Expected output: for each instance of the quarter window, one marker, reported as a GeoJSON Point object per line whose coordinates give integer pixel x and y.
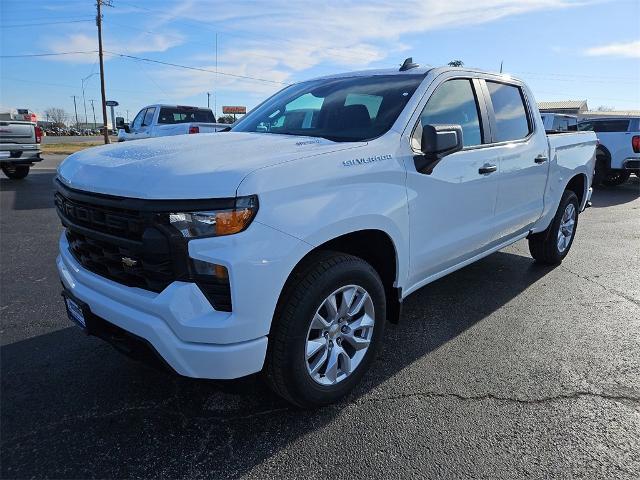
{"type": "Point", "coordinates": [453, 103]}
{"type": "Point", "coordinates": [512, 121]}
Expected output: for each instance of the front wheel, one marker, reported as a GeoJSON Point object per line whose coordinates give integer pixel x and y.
{"type": "Point", "coordinates": [327, 328]}
{"type": "Point", "coordinates": [552, 245]}
{"type": "Point", "coordinates": [16, 172]}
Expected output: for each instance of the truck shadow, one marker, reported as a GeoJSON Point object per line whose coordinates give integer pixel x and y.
{"type": "Point", "coordinates": [31, 193]}
{"type": "Point", "coordinates": [73, 407]}
{"type": "Point", "coordinates": [609, 196]}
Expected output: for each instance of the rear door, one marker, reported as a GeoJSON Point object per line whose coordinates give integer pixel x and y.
{"type": "Point", "coordinates": [521, 149]}
{"type": "Point", "coordinates": [451, 209]}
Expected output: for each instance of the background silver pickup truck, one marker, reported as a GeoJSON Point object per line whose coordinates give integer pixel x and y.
{"type": "Point", "coordinates": [19, 147]}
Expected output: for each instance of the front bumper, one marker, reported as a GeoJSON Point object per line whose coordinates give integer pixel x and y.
{"type": "Point", "coordinates": [192, 337]}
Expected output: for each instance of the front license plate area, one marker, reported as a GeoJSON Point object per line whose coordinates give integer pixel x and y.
{"type": "Point", "coordinates": [77, 311]}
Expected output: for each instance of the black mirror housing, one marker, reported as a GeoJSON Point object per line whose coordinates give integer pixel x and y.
{"type": "Point", "coordinates": [437, 141]}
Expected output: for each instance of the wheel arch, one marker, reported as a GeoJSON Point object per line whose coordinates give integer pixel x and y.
{"type": "Point", "coordinates": [374, 246]}
{"type": "Point", "coordinates": [578, 184]}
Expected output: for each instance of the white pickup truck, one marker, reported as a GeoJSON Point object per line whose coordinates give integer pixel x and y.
{"type": "Point", "coordinates": [618, 151]}
{"type": "Point", "coordinates": [285, 246]}
{"type": "Point", "coordinates": [20, 147]}
{"type": "Point", "coordinates": [168, 120]}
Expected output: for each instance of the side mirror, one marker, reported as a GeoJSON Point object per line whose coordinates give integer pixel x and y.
{"type": "Point", "coordinates": [437, 142]}
{"type": "Point", "coordinates": [120, 125]}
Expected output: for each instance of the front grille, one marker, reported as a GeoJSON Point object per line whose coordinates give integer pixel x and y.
{"type": "Point", "coordinates": [114, 221]}
{"type": "Point", "coordinates": [131, 246]}
{"type": "Point", "coordinates": [131, 267]}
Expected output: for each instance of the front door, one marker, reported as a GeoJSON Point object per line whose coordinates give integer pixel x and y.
{"type": "Point", "coordinates": [451, 209]}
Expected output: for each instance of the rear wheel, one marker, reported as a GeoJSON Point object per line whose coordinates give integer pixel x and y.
{"type": "Point", "coordinates": [326, 330]}
{"type": "Point", "coordinates": [613, 179]}
{"type": "Point", "coordinates": [551, 246]}
{"type": "Point", "coordinates": [16, 172]}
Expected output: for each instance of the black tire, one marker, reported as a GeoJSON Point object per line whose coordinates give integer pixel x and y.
{"type": "Point", "coordinates": [601, 169]}
{"type": "Point", "coordinates": [16, 172]}
{"type": "Point", "coordinates": [310, 284]}
{"type": "Point", "coordinates": [613, 179]}
{"type": "Point", "coordinates": [543, 246]}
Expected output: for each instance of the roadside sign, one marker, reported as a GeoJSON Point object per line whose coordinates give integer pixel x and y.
{"type": "Point", "coordinates": [111, 103]}
{"type": "Point", "coordinates": [234, 110]}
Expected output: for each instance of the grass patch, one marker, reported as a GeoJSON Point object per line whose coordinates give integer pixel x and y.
{"type": "Point", "coordinates": [68, 148]}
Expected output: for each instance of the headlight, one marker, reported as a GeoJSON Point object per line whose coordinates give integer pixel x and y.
{"type": "Point", "coordinates": [215, 223]}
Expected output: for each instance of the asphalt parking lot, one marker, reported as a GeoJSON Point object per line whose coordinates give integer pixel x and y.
{"type": "Point", "coordinates": [504, 369]}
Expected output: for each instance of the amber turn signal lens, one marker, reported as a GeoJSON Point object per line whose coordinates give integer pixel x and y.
{"type": "Point", "coordinates": [233, 221]}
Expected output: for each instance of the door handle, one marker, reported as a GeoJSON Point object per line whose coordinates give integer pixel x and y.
{"type": "Point", "coordinates": [541, 159]}
{"type": "Point", "coordinates": [486, 168]}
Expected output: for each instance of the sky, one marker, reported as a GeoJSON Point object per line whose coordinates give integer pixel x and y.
{"type": "Point", "coordinates": [564, 49]}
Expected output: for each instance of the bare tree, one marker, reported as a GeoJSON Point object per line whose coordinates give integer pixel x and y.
{"type": "Point", "coordinates": [226, 119]}
{"type": "Point", "coordinates": [56, 115]}
{"type": "Point", "coordinates": [604, 108]}
{"type": "Point", "coordinates": [456, 63]}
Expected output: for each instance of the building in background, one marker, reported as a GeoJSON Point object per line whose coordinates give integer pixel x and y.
{"type": "Point", "coordinates": [580, 109]}
{"type": "Point", "coordinates": [569, 107]}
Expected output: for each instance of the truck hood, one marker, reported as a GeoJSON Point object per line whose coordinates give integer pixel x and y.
{"type": "Point", "coordinates": [186, 166]}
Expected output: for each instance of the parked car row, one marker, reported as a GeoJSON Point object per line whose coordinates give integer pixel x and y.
{"type": "Point", "coordinates": [70, 131]}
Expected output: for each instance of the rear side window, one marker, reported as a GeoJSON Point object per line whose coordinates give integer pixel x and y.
{"type": "Point", "coordinates": [512, 121]}
{"type": "Point", "coordinates": [605, 126]}
{"type": "Point", "coordinates": [453, 103]}
{"type": "Point", "coordinates": [170, 115]}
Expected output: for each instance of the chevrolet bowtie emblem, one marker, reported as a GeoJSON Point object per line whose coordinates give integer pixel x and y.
{"type": "Point", "coordinates": [129, 262]}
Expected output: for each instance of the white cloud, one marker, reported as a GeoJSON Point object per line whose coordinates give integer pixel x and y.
{"type": "Point", "coordinates": [629, 50]}
{"type": "Point", "coordinates": [278, 39]}
{"type": "Point", "coordinates": [79, 42]}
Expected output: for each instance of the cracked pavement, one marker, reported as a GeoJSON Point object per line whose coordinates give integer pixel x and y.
{"type": "Point", "coordinates": [504, 369]}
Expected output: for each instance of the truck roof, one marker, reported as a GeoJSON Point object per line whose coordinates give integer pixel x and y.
{"type": "Point", "coordinates": [414, 71]}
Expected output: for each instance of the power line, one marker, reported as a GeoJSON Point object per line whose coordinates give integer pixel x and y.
{"type": "Point", "coordinates": [47, 54]}
{"type": "Point", "coordinates": [43, 23]}
{"type": "Point", "coordinates": [187, 67]}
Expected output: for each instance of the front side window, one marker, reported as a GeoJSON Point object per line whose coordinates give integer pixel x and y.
{"type": "Point", "coordinates": [512, 122]}
{"type": "Point", "coordinates": [148, 117]}
{"type": "Point", "coordinates": [137, 122]}
{"type": "Point", "coordinates": [453, 103]}
{"type": "Point", "coordinates": [348, 109]}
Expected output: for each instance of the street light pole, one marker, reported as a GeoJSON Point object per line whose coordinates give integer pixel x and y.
{"type": "Point", "coordinates": [94, 113]}
{"type": "Point", "coordinates": [84, 102]}
{"type": "Point", "coordinates": [75, 109]}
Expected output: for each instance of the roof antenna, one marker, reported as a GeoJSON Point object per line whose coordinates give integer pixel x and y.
{"type": "Point", "coordinates": [408, 65]}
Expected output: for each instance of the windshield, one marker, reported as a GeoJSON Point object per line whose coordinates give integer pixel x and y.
{"type": "Point", "coordinates": [339, 109]}
{"type": "Point", "coordinates": [185, 115]}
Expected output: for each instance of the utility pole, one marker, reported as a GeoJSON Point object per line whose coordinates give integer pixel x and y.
{"type": "Point", "coordinates": [501, 66]}
{"type": "Point", "coordinates": [208, 95]}
{"type": "Point", "coordinates": [215, 81]}
{"type": "Point", "coordinates": [99, 4]}
{"type": "Point", "coordinates": [75, 109]}
{"type": "Point", "coordinates": [94, 113]}
{"type": "Point", "coordinates": [127, 116]}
